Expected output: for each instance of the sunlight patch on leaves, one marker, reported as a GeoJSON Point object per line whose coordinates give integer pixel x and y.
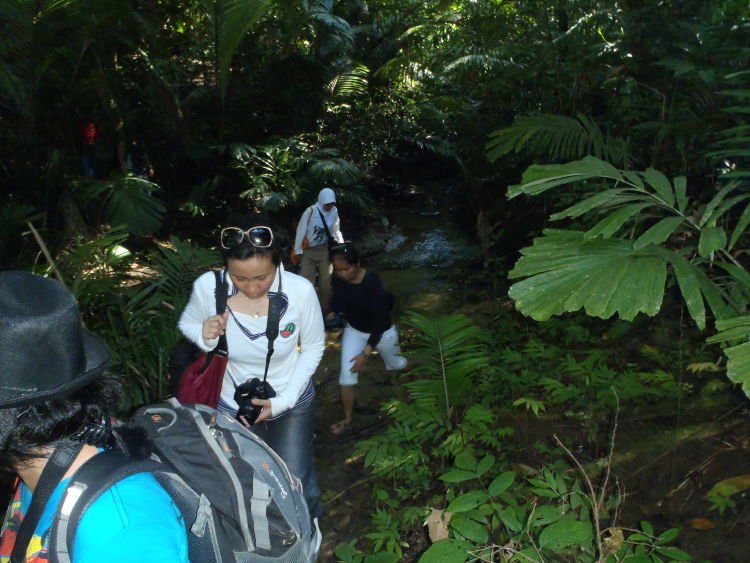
{"type": "Point", "coordinates": [567, 272]}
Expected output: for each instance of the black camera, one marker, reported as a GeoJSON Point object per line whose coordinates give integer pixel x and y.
{"type": "Point", "coordinates": [335, 322]}
{"type": "Point", "coordinates": [254, 388]}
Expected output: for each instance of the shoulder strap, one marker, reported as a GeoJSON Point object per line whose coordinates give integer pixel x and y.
{"type": "Point", "coordinates": [222, 349]}
{"type": "Point", "coordinates": [95, 476]}
{"type": "Point", "coordinates": [272, 326]}
{"type": "Point", "coordinates": [57, 465]}
{"type": "Point", "coordinates": [310, 215]}
{"type": "Point", "coordinates": [221, 306]}
{"type": "Point", "coordinates": [325, 225]}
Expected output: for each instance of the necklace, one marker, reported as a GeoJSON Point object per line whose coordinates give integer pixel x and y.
{"type": "Point", "coordinates": [255, 313]}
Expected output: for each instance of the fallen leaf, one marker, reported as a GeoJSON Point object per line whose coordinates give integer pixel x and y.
{"type": "Point", "coordinates": [702, 524]}
{"type": "Point", "coordinates": [437, 524]}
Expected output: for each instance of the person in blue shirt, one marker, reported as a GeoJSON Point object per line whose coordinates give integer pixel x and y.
{"type": "Point", "coordinates": [56, 406]}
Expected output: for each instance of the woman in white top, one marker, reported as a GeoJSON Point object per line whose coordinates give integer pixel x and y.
{"type": "Point", "coordinates": [253, 270]}
{"type": "Point", "coordinates": [319, 225]}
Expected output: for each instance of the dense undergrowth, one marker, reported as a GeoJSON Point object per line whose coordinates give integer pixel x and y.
{"type": "Point", "coordinates": [459, 477]}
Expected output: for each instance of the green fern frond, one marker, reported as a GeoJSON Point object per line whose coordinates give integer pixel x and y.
{"type": "Point", "coordinates": [450, 353]}
{"type": "Point", "coordinates": [474, 62]}
{"type": "Point", "coordinates": [333, 170]}
{"type": "Point", "coordinates": [353, 82]}
{"type": "Point", "coordinates": [175, 267]}
{"type": "Point", "coordinates": [436, 146]}
{"type": "Point", "coordinates": [556, 137]}
{"type": "Point", "coordinates": [126, 200]}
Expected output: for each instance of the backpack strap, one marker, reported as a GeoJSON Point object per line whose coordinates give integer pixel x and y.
{"type": "Point", "coordinates": [258, 506]}
{"type": "Point", "coordinates": [325, 226]}
{"type": "Point", "coordinates": [88, 483]}
{"type": "Point", "coordinates": [57, 465]}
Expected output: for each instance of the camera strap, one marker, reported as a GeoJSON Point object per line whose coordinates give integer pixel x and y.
{"type": "Point", "coordinates": [272, 327]}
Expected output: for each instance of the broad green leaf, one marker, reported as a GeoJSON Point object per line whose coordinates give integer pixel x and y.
{"type": "Point", "coordinates": [469, 529]}
{"type": "Point", "coordinates": [668, 535]}
{"type": "Point", "coordinates": [712, 239]}
{"type": "Point", "coordinates": [714, 296]}
{"type": "Point", "coordinates": [465, 460]}
{"type": "Point", "coordinates": [680, 191]}
{"type": "Point", "coordinates": [604, 277]}
{"type": "Point", "coordinates": [658, 233]}
{"type": "Point", "coordinates": [510, 519]}
{"type": "Point", "coordinates": [501, 483]}
{"type": "Point", "coordinates": [458, 476]}
{"type": "Point", "coordinates": [661, 185]}
{"type": "Point", "coordinates": [447, 551]}
{"type": "Point", "coordinates": [467, 501]}
{"type": "Point", "coordinates": [591, 202]}
{"type": "Point", "coordinates": [612, 223]}
{"type": "Point", "coordinates": [647, 527]}
{"type": "Point", "coordinates": [635, 179]}
{"type": "Point", "coordinates": [539, 178]}
{"type": "Point", "coordinates": [565, 533]}
{"type": "Point", "coordinates": [674, 554]}
{"type": "Point", "coordinates": [739, 228]}
{"type": "Point", "coordinates": [714, 203]}
{"type": "Point", "coordinates": [738, 366]}
{"type": "Point", "coordinates": [725, 206]}
{"type": "Point", "coordinates": [738, 273]}
{"type": "Point", "coordinates": [690, 288]}
{"type": "Point", "coordinates": [235, 18]}
{"type": "Point", "coordinates": [485, 464]}
{"type": "Point", "coordinates": [736, 328]}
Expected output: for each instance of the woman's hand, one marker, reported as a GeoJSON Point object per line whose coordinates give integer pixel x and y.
{"type": "Point", "coordinates": [215, 326]}
{"type": "Point", "coordinates": [358, 362]}
{"type": "Point", "coordinates": [265, 410]}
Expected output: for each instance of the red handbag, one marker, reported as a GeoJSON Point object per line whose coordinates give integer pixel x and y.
{"type": "Point", "coordinates": [201, 382]}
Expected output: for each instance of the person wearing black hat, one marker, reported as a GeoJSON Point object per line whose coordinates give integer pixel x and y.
{"type": "Point", "coordinates": [56, 403]}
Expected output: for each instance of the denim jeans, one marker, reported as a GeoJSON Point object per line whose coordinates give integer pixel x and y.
{"type": "Point", "coordinates": [291, 437]}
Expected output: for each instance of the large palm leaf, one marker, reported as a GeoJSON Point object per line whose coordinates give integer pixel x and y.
{"type": "Point", "coordinates": [556, 137]}
{"type": "Point", "coordinates": [606, 273]}
{"type": "Point", "coordinates": [231, 19]}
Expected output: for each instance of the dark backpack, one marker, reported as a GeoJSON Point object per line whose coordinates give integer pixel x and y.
{"type": "Point", "coordinates": [238, 499]}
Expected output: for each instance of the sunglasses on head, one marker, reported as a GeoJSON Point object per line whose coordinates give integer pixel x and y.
{"type": "Point", "coordinates": [260, 237]}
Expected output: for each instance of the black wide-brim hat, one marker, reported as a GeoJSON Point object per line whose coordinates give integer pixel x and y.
{"type": "Point", "coordinates": [45, 352]}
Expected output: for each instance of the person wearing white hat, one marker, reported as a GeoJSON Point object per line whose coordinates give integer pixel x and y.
{"type": "Point", "coordinates": [318, 230]}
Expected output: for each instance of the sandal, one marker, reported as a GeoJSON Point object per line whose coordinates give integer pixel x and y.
{"type": "Point", "coordinates": [340, 427]}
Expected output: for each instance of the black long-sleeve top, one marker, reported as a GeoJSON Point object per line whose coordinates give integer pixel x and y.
{"type": "Point", "coordinates": [366, 305]}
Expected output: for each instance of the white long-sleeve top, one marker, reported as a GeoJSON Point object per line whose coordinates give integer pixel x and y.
{"type": "Point", "coordinates": [311, 226]}
{"type": "Point", "coordinates": [291, 367]}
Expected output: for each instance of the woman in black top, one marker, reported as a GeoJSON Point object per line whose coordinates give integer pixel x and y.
{"type": "Point", "coordinates": [359, 295]}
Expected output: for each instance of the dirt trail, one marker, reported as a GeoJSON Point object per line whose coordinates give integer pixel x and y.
{"type": "Point", "coordinates": [342, 477]}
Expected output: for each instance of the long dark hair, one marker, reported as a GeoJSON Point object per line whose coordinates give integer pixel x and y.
{"type": "Point", "coordinates": [25, 432]}
{"type": "Point", "coordinates": [246, 249]}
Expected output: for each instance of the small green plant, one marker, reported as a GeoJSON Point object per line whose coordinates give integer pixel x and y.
{"type": "Point", "coordinates": [446, 452]}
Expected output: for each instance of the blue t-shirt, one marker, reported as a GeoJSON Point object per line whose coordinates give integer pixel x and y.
{"type": "Point", "coordinates": [134, 520]}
